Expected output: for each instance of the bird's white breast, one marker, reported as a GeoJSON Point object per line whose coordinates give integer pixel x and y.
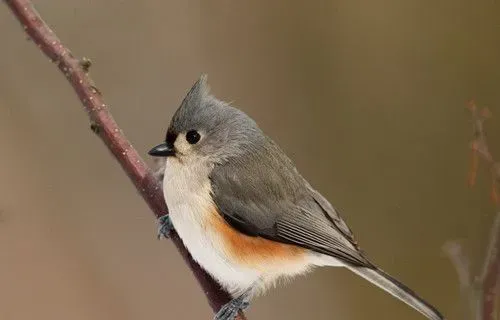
{"type": "Point", "coordinates": [187, 193]}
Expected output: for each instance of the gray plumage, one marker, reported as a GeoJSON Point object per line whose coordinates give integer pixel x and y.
{"type": "Point", "coordinates": [258, 190]}
{"type": "Point", "coordinates": [228, 132]}
{"type": "Point", "coordinates": [280, 205]}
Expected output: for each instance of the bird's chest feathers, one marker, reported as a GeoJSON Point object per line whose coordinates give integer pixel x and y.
{"type": "Point", "coordinates": [234, 259]}
{"type": "Point", "coordinates": [186, 185]}
{"type": "Point", "coordinates": [187, 193]}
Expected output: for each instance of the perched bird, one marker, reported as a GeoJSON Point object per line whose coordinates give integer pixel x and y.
{"type": "Point", "coordinates": [245, 213]}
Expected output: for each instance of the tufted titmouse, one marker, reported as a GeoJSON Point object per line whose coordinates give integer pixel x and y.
{"type": "Point", "coordinates": [245, 213]}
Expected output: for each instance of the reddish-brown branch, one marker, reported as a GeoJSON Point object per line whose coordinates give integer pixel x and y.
{"type": "Point", "coordinates": [482, 292]}
{"type": "Point", "coordinates": [103, 124]}
{"type": "Point", "coordinates": [489, 279]}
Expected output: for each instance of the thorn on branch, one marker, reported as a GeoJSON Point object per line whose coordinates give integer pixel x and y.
{"type": "Point", "coordinates": [85, 63]}
{"type": "Point", "coordinates": [95, 90]}
{"type": "Point", "coordinates": [95, 127]}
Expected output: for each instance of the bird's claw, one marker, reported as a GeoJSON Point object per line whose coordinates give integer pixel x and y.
{"type": "Point", "coordinates": [230, 310]}
{"type": "Point", "coordinates": [165, 227]}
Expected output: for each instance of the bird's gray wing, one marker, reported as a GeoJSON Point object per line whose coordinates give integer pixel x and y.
{"type": "Point", "coordinates": [333, 215]}
{"type": "Point", "coordinates": [264, 196]}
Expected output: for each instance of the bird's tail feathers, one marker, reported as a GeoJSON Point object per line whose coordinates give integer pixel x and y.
{"type": "Point", "coordinates": [398, 290]}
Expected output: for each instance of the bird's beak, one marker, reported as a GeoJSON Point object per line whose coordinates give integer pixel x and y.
{"type": "Point", "coordinates": [162, 150]}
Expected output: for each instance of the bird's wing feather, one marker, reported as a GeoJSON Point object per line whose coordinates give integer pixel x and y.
{"type": "Point", "coordinates": [279, 205]}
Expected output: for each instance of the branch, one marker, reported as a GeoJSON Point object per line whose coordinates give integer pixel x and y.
{"type": "Point", "coordinates": [482, 292]}
{"type": "Point", "coordinates": [103, 124]}
{"type": "Point", "coordinates": [488, 281]}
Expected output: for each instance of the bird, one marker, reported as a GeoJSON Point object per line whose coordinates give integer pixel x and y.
{"type": "Point", "coordinates": [245, 213]}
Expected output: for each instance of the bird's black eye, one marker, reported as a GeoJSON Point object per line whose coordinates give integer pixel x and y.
{"type": "Point", "coordinates": [192, 136]}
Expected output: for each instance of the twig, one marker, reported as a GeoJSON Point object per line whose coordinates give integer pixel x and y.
{"type": "Point", "coordinates": [455, 253]}
{"type": "Point", "coordinates": [103, 124]}
{"type": "Point", "coordinates": [488, 281]}
{"type": "Point", "coordinates": [482, 292]}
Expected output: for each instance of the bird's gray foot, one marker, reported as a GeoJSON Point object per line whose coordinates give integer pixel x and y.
{"type": "Point", "coordinates": [230, 310]}
{"type": "Point", "coordinates": [165, 227]}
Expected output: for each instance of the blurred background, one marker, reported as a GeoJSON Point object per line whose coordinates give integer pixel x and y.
{"type": "Point", "coordinates": [368, 98]}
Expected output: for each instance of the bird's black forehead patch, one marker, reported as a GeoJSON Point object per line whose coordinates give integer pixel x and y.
{"type": "Point", "coordinates": [170, 138]}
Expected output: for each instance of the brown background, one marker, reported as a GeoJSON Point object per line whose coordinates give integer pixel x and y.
{"type": "Point", "coordinates": [368, 98]}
